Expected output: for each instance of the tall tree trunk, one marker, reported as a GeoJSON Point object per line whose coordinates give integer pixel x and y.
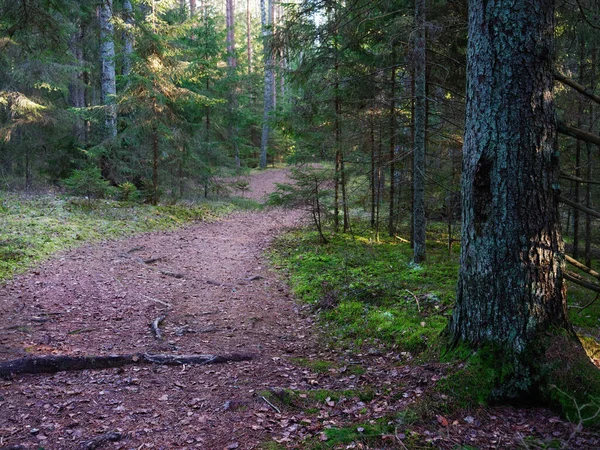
{"type": "Point", "coordinates": [510, 288]}
{"type": "Point", "coordinates": [578, 144]}
{"type": "Point", "coordinates": [588, 172]}
{"type": "Point", "coordinates": [392, 153]}
{"type": "Point", "coordinates": [232, 65]}
{"type": "Point", "coordinates": [107, 64]}
{"type": "Point", "coordinates": [419, 218]}
{"type": "Point", "coordinates": [77, 86]}
{"type": "Point", "coordinates": [192, 8]}
{"type": "Point", "coordinates": [248, 36]}
{"type": "Point", "coordinates": [127, 37]}
{"type": "Point", "coordinates": [373, 168]}
{"type": "Point", "coordinates": [266, 19]}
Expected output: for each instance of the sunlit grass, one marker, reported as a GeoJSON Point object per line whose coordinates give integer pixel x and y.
{"type": "Point", "coordinates": [33, 228]}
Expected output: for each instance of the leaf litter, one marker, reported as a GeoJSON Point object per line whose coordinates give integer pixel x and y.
{"type": "Point", "coordinates": [97, 300]}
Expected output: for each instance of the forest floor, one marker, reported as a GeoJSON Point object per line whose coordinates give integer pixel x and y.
{"type": "Point", "coordinates": [218, 295]}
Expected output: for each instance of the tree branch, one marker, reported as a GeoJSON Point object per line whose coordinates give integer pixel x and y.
{"type": "Point", "coordinates": [567, 176]}
{"type": "Point", "coordinates": [579, 280]}
{"type": "Point", "coordinates": [578, 134]}
{"type": "Point", "coordinates": [583, 90]}
{"type": "Point", "coordinates": [576, 205]}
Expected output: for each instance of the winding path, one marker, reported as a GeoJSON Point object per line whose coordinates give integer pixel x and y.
{"type": "Point", "coordinates": [219, 296]}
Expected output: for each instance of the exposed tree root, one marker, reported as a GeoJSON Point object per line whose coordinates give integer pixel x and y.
{"type": "Point", "coordinates": [156, 326]}
{"type": "Point", "coordinates": [53, 364]}
{"type": "Point", "coordinates": [100, 440]}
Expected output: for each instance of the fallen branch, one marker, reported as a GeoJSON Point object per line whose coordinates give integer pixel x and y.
{"type": "Point", "coordinates": [254, 278]}
{"type": "Point", "coordinates": [219, 283]}
{"type": "Point", "coordinates": [168, 305]}
{"type": "Point", "coordinates": [587, 305]}
{"type": "Point", "coordinates": [172, 274]}
{"type": "Point", "coordinates": [416, 300]}
{"type": "Point", "coordinates": [582, 267]}
{"type": "Point", "coordinates": [155, 326]}
{"type": "Point", "coordinates": [579, 280]}
{"type": "Point", "coordinates": [275, 408]}
{"type": "Point", "coordinates": [153, 260]}
{"type": "Point", "coordinates": [100, 440]}
{"type": "Point", "coordinates": [64, 363]}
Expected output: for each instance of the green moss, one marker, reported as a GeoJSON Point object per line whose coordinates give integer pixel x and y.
{"type": "Point", "coordinates": [369, 292]}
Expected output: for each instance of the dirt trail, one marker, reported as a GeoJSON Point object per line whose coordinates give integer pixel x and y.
{"type": "Point", "coordinates": [212, 283]}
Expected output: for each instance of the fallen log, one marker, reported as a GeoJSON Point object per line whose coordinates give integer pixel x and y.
{"type": "Point", "coordinates": [64, 363]}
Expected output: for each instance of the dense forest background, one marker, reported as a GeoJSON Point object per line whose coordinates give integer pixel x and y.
{"type": "Point", "coordinates": [123, 104]}
{"type": "Point", "coordinates": [157, 100]}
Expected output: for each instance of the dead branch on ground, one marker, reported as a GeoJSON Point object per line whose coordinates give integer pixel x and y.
{"type": "Point", "coordinates": [64, 363]}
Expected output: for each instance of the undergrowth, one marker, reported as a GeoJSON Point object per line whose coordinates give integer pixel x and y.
{"type": "Point", "coordinates": [368, 291]}
{"type": "Point", "coordinates": [33, 228]}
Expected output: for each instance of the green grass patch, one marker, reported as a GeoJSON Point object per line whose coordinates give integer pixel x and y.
{"type": "Point", "coordinates": [368, 290]}
{"type": "Point", "coordinates": [33, 228]}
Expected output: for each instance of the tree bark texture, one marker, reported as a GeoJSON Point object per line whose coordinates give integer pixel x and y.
{"type": "Point", "coordinates": [420, 118]}
{"type": "Point", "coordinates": [107, 64]}
{"type": "Point", "coordinates": [510, 285]}
{"type": "Point", "coordinates": [266, 18]}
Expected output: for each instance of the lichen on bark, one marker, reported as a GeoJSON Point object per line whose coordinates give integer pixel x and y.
{"type": "Point", "coordinates": [510, 290]}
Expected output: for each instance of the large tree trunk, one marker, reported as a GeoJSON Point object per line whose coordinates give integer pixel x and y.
{"type": "Point", "coordinates": [232, 66]}
{"type": "Point", "coordinates": [107, 64]}
{"type": "Point", "coordinates": [420, 118]}
{"type": "Point", "coordinates": [266, 18]}
{"type": "Point", "coordinates": [510, 289]}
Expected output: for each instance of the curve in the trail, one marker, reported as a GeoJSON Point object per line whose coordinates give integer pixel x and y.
{"type": "Point", "coordinates": [219, 296]}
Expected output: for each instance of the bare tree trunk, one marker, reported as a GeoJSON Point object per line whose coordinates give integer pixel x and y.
{"type": "Point", "coordinates": [392, 154]}
{"type": "Point", "coordinates": [107, 64]}
{"type": "Point", "coordinates": [248, 36]}
{"type": "Point", "coordinates": [127, 37]}
{"type": "Point", "coordinates": [588, 172]}
{"type": "Point", "coordinates": [419, 218]}
{"type": "Point", "coordinates": [77, 86]}
{"type": "Point", "coordinates": [576, 215]}
{"type": "Point", "coordinates": [232, 65]}
{"type": "Point", "coordinates": [266, 19]}
{"type": "Point", "coordinates": [373, 168]}
{"type": "Point", "coordinates": [192, 8]}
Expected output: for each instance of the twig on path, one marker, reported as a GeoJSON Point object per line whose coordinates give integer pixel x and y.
{"type": "Point", "coordinates": [271, 404]}
{"type": "Point", "coordinates": [172, 274]}
{"type": "Point", "coordinates": [155, 326]}
{"type": "Point", "coordinates": [98, 441]}
{"type": "Point", "coordinates": [153, 260]}
{"type": "Point", "coordinates": [168, 305]}
{"type": "Point", "coordinates": [135, 249]}
{"type": "Point", "coordinates": [219, 283]}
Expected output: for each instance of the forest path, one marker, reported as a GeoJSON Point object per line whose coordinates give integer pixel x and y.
{"type": "Point", "coordinates": [219, 296]}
